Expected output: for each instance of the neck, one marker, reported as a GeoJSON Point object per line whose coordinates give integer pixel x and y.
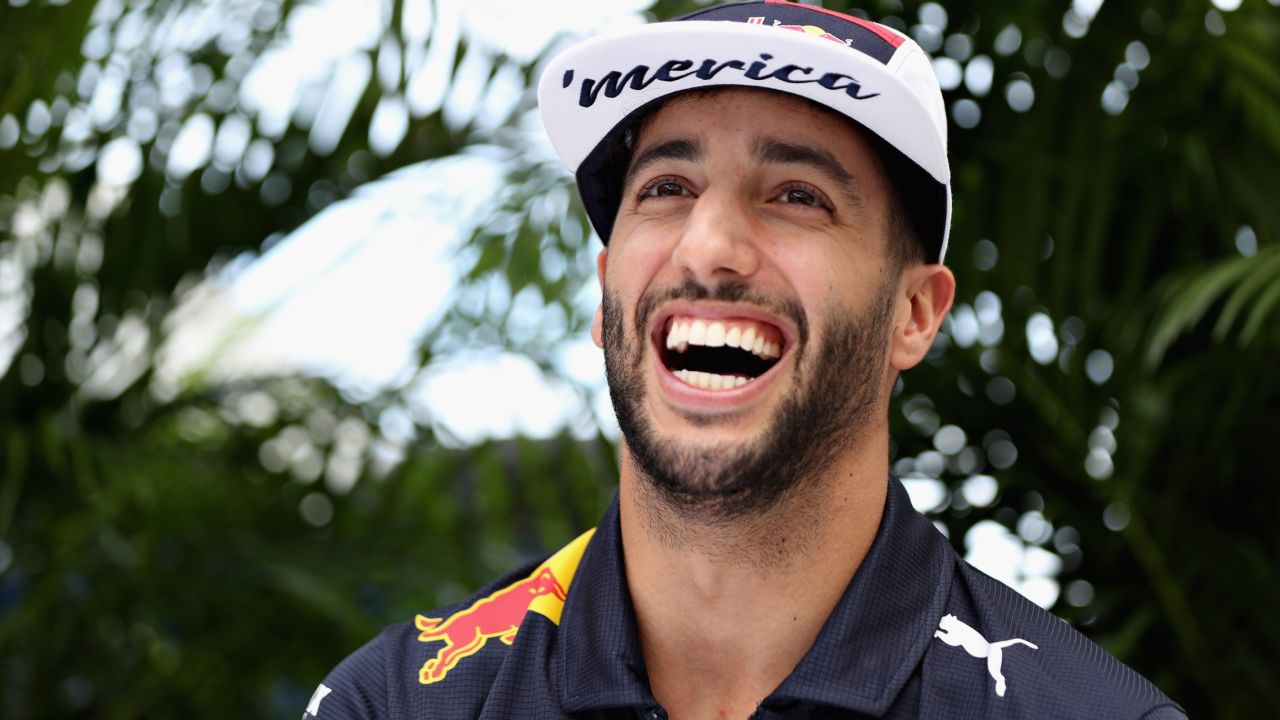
{"type": "Point", "coordinates": [750, 593]}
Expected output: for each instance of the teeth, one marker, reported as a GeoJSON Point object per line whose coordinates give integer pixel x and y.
{"type": "Point", "coordinates": [684, 333]}
{"type": "Point", "coordinates": [733, 337]}
{"type": "Point", "coordinates": [715, 334]}
{"type": "Point", "coordinates": [711, 381]}
{"type": "Point", "coordinates": [678, 337]}
{"type": "Point", "coordinates": [698, 333]}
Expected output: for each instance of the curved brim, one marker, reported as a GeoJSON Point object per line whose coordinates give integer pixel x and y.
{"type": "Point", "coordinates": [591, 89]}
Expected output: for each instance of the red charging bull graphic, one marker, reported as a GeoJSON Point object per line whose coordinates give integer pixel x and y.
{"type": "Point", "coordinates": [499, 615]}
{"type": "Point", "coordinates": [807, 29]}
{"type": "Point", "coordinates": [496, 616]}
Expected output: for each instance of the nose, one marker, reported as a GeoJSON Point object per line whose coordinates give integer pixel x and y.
{"type": "Point", "coordinates": [718, 242]}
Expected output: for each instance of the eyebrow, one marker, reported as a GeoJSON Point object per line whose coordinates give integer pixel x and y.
{"type": "Point", "coordinates": [677, 149]}
{"type": "Point", "coordinates": [767, 150]}
{"type": "Point", "coordinates": [771, 150]}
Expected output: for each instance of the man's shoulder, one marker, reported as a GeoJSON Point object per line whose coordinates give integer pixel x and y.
{"type": "Point", "coordinates": [446, 663]}
{"type": "Point", "coordinates": [401, 671]}
{"type": "Point", "coordinates": [1029, 662]}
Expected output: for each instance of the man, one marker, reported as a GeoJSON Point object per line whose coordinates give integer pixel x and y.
{"type": "Point", "coordinates": [772, 186]}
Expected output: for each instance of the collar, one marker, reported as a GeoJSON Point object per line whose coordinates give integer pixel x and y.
{"type": "Point", "coordinates": [599, 657]}
{"type": "Point", "coordinates": [863, 656]}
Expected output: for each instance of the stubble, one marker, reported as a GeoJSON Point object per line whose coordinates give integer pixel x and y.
{"type": "Point", "coordinates": [736, 488]}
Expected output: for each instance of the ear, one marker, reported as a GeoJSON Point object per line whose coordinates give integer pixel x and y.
{"type": "Point", "coordinates": [597, 320]}
{"type": "Point", "coordinates": [925, 296]}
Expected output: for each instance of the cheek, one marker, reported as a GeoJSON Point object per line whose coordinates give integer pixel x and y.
{"type": "Point", "coordinates": [814, 279]}
{"type": "Point", "coordinates": [823, 278]}
{"type": "Point", "coordinates": [635, 266]}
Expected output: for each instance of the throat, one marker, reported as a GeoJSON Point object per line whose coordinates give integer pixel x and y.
{"type": "Point", "coordinates": [697, 581]}
{"type": "Point", "coordinates": [701, 663]}
{"type": "Point", "coordinates": [775, 574]}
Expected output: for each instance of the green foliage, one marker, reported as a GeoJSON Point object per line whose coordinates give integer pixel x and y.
{"type": "Point", "coordinates": [211, 545]}
{"type": "Point", "coordinates": [1243, 288]}
{"type": "Point", "coordinates": [164, 574]}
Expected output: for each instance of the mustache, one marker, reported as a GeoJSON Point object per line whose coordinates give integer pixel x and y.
{"type": "Point", "coordinates": [738, 292]}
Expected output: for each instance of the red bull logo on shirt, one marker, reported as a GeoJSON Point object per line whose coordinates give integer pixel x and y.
{"type": "Point", "coordinates": [499, 615]}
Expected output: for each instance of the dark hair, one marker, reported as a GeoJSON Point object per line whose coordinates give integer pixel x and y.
{"type": "Point", "coordinates": [905, 239]}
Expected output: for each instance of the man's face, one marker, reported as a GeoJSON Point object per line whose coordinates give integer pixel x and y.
{"type": "Point", "coordinates": [748, 298]}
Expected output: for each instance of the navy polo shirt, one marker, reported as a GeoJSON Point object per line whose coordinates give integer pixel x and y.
{"type": "Point", "coordinates": [919, 633]}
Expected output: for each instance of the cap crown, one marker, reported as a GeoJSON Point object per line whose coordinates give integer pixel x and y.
{"type": "Point", "coordinates": [870, 73]}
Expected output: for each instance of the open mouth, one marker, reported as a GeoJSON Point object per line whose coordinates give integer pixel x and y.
{"type": "Point", "coordinates": [719, 354]}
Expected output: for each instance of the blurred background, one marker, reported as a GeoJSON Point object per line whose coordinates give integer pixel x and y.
{"type": "Point", "coordinates": [293, 311]}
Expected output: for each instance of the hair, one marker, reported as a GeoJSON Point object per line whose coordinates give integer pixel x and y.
{"type": "Point", "coordinates": [903, 239]}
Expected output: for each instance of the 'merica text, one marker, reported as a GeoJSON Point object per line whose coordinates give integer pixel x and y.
{"type": "Point", "coordinates": [640, 77]}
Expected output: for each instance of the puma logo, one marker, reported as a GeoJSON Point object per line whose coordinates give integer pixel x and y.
{"type": "Point", "coordinates": [952, 631]}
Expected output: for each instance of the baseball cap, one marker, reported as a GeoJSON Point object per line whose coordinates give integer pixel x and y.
{"type": "Point", "coordinates": [591, 93]}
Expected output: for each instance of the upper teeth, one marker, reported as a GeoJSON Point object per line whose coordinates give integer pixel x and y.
{"type": "Point", "coordinates": [737, 334]}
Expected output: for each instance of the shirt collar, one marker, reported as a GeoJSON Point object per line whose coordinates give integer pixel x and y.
{"type": "Point", "coordinates": [601, 665]}
{"type": "Point", "coordinates": [874, 638]}
{"type": "Point", "coordinates": [862, 658]}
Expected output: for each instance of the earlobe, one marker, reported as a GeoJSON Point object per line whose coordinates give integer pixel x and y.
{"type": "Point", "coordinates": [597, 320]}
{"type": "Point", "coordinates": [928, 293]}
{"type": "Point", "coordinates": [597, 327]}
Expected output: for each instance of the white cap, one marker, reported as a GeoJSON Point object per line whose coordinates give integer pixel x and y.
{"type": "Point", "coordinates": [868, 72]}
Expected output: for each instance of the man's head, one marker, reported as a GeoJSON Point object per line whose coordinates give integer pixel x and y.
{"type": "Point", "coordinates": [760, 296]}
{"type": "Point", "coordinates": [593, 93]}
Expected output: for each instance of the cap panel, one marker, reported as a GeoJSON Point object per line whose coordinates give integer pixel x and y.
{"type": "Point", "coordinates": [915, 69]}
{"type": "Point", "coordinates": [863, 36]}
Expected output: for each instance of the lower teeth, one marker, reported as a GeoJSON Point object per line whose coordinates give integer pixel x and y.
{"type": "Point", "coordinates": [711, 381]}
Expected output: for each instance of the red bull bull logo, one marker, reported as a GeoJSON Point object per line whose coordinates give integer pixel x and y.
{"type": "Point", "coordinates": [807, 29]}
{"type": "Point", "coordinates": [499, 615]}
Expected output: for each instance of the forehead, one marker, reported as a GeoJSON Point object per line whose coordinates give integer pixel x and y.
{"type": "Point", "coordinates": [753, 113]}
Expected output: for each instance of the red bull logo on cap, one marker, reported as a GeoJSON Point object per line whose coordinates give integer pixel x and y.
{"type": "Point", "coordinates": [807, 29]}
{"type": "Point", "coordinates": [499, 615]}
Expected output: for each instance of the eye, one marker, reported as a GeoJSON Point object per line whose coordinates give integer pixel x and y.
{"type": "Point", "coordinates": [664, 187]}
{"type": "Point", "coordinates": [802, 195]}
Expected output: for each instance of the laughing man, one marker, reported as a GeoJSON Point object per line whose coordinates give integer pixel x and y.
{"type": "Point", "coordinates": [772, 186]}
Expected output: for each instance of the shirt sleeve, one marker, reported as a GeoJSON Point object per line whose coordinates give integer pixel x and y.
{"type": "Point", "coordinates": [356, 689]}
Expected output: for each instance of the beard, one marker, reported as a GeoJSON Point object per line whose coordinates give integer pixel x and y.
{"type": "Point", "coordinates": [828, 408]}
